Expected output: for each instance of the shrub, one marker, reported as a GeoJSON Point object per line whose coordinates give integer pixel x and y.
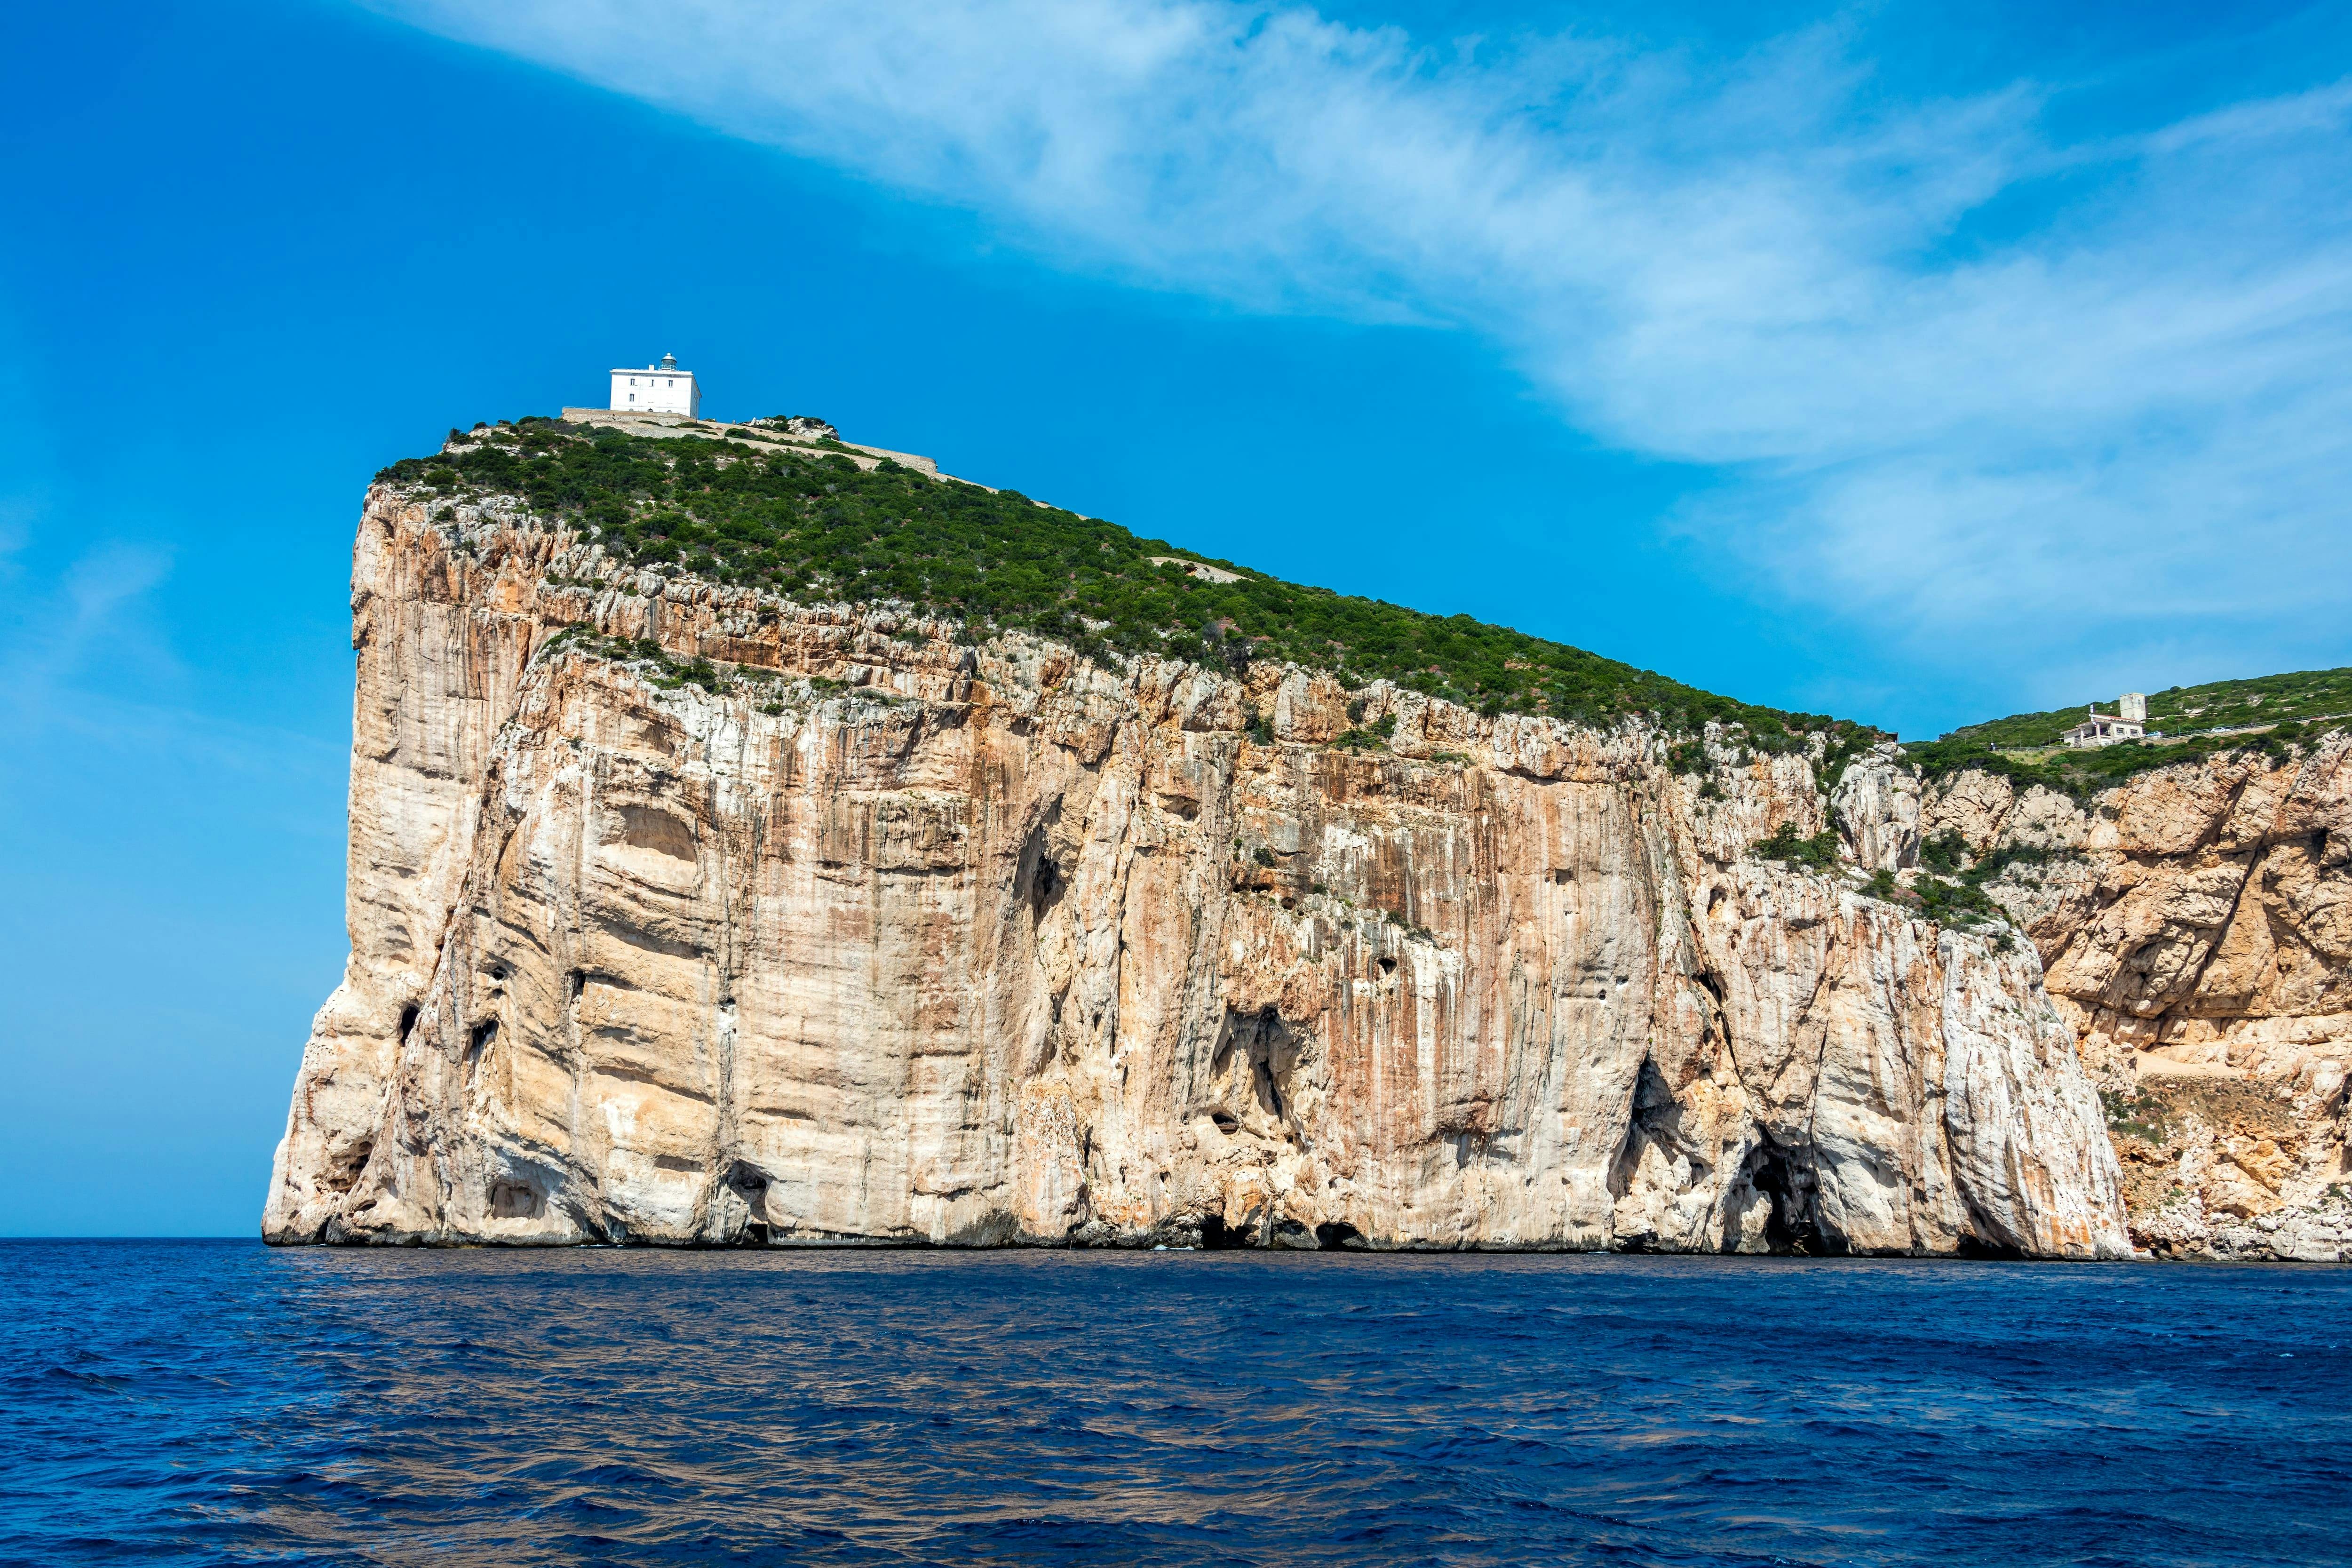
{"type": "Point", "coordinates": [792, 518]}
{"type": "Point", "coordinates": [1949, 903]}
{"type": "Point", "coordinates": [2001, 859]}
{"type": "Point", "coordinates": [2301, 695]}
{"type": "Point", "coordinates": [1358, 739]}
{"type": "Point", "coordinates": [1844, 749]}
{"type": "Point", "coordinates": [1818, 853]}
{"type": "Point", "coordinates": [1882, 886]}
{"type": "Point", "coordinates": [2138, 1115]}
{"type": "Point", "coordinates": [2080, 775]}
{"type": "Point", "coordinates": [1944, 853]}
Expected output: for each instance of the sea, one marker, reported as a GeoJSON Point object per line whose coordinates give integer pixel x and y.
{"type": "Point", "coordinates": [225, 1402]}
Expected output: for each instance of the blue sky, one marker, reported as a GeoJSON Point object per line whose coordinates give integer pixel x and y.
{"type": "Point", "coordinates": [1913, 363]}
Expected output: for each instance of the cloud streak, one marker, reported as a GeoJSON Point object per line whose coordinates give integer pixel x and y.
{"type": "Point", "coordinates": [1932, 413]}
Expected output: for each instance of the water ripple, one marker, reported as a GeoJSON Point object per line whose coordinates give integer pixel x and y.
{"type": "Point", "coordinates": [221, 1403]}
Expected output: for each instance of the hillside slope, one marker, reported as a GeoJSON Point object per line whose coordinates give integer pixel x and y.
{"type": "Point", "coordinates": [813, 522]}
{"type": "Point", "coordinates": [2218, 705]}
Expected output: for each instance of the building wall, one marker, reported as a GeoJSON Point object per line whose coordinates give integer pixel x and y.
{"type": "Point", "coordinates": [657, 392]}
{"type": "Point", "coordinates": [2101, 730]}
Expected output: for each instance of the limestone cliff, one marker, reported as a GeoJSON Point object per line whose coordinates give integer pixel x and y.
{"type": "Point", "coordinates": [896, 936]}
{"type": "Point", "coordinates": [2197, 927]}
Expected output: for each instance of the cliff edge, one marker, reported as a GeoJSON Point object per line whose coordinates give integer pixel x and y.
{"type": "Point", "coordinates": [685, 911]}
{"type": "Point", "coordinates": [2196, 926]}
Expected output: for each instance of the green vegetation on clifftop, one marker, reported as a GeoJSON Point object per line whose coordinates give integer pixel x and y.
{"type": "Point", "coordinates": [2025, 749]}
{"type": "Point", "coordinates": [2178, 710]}
{"type": "Point", "coordinates": [814, 526]}
{"type": "Point", "coordinates": [2082, 775]}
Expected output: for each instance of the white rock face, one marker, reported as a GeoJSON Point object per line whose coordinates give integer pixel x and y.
{"type": "Point", "coordinates": [2197, 923]}
{"type": "Point", "coordinates": [998, 946]}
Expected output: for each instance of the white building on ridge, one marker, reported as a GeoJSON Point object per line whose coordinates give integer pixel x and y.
{"type": "Point", "coordinates": [657, 389]}
{"type": "Point", "coordinates": [2128, 724]}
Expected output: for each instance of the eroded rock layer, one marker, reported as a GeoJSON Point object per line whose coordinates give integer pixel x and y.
{"type": "Point", "coordinates": [922, 940]}
{"type": "Point", "coordinates": [2197, 927]}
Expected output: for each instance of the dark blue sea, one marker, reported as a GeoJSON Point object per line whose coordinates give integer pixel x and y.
{"type": "Point", "coordinates": [220, 1403]}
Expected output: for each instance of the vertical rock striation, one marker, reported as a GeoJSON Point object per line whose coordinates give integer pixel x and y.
{"type": "Point", "coordinates": [2196, 926]}
{"type": "Point", "coordinates": [922, 940]}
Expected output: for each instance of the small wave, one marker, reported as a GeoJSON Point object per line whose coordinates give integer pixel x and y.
{"type": "Point", "coordinates": [481, 1409]}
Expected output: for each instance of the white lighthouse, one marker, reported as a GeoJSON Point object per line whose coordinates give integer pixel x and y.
{"type": "Point", "coordinates": [657, 389]}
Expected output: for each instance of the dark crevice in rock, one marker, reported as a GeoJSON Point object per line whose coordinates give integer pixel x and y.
{"type": "Point", "coordinates": [1793, 1227]}
{"type": "Point", "coordinates": [516, 1200]}
{"type": "Point", "coordinates": [1217, 1236]}
{"type": "Point", "coordinates": [1038, 882]}
{"type": "Point", "coordinates": [343, 1168]}
{"type": "Point", "coordinates": [1268, 1045]}
{"type": "Point", "coordinates": [1267, 1087]}
{"type": "Point", "coordinates": [1656, 1120]}
{"type": "Point", "coordinates": [1290, 1232]}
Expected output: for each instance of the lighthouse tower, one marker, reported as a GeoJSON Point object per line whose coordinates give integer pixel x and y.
{"type": "Point", "coordinates": [661, 388]}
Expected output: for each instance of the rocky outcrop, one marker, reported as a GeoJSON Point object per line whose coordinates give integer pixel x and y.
{"type": "Point", "coordinates": [2196, 925]}
{"type": "Point", "coordinates": [897, 937]}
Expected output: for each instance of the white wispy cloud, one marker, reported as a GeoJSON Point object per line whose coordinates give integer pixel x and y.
{"type": "Point", "coordinates": [1933, 415]}
{"type": "Point", "coordinates": [88, 672]}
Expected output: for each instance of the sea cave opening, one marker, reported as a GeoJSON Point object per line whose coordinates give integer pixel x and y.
{"type": "Point", "coordinates": [1790, 1228]}
{"type": "Point", "coordinates": [1217, 1236]}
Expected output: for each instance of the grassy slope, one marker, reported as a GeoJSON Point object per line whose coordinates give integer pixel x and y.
{"type": "Point", "coordinates": [2082, 775]}
{"type": "Point", "coordinates": [2298, 706]}
{"type": "Point", "coordinates": [2222, 704]}
{"type": "Point", "coordinates": [813, 525]}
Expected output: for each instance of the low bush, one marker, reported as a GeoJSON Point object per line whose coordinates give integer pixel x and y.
{"type": "Point", "coordinates": [1882, 886]}
{"type": "Point", "coordinates": [2082, 775]}
{"type": "Point", "coordinates": [1944, 853]}
{"type": "Point", "coordinates": [796, 521]}
{"type": "Point", "coordinates": [2178, 710]}
{"type": "Point", "coordinates": [1818, 853]}
{"type": "Point", "coordinates": [1950, 903]}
